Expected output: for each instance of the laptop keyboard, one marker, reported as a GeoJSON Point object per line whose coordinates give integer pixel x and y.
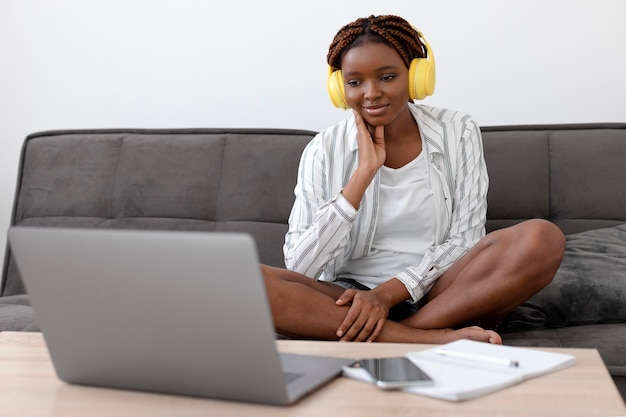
{"type": "Point", "coordinates": [291, 376]}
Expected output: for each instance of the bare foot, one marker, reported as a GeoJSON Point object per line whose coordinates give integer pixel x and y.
{"type": "Point", "coordinates": [438, 336]}
{"type": "Point", "coordinates": [472, 333]}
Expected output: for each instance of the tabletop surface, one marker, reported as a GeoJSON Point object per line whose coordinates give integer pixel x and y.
{"type": "Point", "coordinates": [29, 387]}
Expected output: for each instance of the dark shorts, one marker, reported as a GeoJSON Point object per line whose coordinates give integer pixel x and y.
{"type": "Point", "coordinates": [396, 313]}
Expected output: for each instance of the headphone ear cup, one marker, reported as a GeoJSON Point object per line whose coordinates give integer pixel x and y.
{"type": "Point", "coordinates": [334, 85]}
{"type": "Point", "coordinates": [421, 78]}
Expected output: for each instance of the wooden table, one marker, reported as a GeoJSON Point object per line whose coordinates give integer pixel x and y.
{"type": "Point", "coordinates": [29, 387]}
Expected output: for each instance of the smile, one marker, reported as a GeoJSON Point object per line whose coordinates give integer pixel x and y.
{"type": "Point", "coordinates": [375, 110]}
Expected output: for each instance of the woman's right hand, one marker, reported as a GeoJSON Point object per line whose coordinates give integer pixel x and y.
{"type": "Point", "coordinates": [371, 149]}
{"type": "Point", "coordinates": [372, 154]}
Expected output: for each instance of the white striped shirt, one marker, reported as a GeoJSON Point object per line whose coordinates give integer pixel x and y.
{"type": "Point", "coordinates": [325, 231]}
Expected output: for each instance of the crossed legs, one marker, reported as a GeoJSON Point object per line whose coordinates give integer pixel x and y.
{"type": "Point", "coordinates": [499, 273]}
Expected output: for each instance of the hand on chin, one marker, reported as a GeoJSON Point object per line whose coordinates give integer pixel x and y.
{"type": "Point", "coordinates": [371, 122]}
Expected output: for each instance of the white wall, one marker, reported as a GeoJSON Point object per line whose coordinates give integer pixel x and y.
{"type": "Point", "coordinates": [249, 63]}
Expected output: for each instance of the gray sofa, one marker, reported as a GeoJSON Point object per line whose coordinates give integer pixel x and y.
{"type": "Point", "coordinates": [242, 180]}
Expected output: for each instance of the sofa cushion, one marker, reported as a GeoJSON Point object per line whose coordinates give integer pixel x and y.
{"type": "Point", "coordinates": [16, 314]}
{"type": "Point", "coordinates": [608, 339]}
{"type": "Point", "coordinates": [588, 288]}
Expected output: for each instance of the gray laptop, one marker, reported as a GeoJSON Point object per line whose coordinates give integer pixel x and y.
{"type": "Point", "coordinates": [182, 313]}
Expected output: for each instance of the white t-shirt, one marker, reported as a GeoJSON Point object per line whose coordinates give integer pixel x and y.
{"type": "Point", "coordinates": [405, 227]}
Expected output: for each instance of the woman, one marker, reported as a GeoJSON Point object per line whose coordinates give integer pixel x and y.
{"type": "Point", "coordinates": [386, 238]}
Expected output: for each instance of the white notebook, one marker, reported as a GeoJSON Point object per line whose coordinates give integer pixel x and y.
{"type": "Point", "coordinates": [471, 369]}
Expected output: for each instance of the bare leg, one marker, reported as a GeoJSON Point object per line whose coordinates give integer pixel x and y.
{"type": "Point", "coordinates": [302, 307]}
{"type": "Point", "coordinates": [502, 271]}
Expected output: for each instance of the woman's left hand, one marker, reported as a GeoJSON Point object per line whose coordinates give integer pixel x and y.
{"type": "Point", "coordinates": [366, 317]}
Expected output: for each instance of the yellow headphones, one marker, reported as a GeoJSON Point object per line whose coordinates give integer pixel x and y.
{"type": "Point", "coordinates": [421, 79]}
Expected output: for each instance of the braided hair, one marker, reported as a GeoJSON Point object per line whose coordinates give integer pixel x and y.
{"type": "Point", "coordinates": [388, 29]}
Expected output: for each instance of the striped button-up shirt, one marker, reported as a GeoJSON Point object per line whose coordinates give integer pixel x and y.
{"type": "Point", "coordinates": [326, 231]}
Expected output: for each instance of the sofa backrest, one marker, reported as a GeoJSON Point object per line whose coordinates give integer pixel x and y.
{"type": "Point", "coordinates": [243, 179]}
{"type": "Point", "coordinates": [200, 179]}
{"type": "Point", "coordinates": [572, 175]}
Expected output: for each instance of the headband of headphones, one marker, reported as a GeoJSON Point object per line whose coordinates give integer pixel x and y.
{"type": "Point", "coordinates": [421, 78]}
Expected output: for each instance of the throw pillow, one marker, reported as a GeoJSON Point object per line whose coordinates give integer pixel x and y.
{"type": "Point", "coordinates": [588, 288]}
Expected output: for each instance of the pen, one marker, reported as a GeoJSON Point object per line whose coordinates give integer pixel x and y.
{"type": "Point", "coordinates": [478, 358]}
